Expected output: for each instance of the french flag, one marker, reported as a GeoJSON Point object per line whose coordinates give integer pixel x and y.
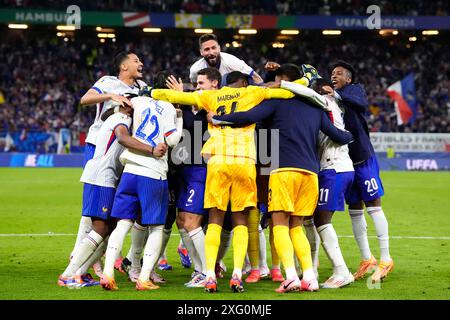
{"type": "Point", "coordinates": [403, 93]}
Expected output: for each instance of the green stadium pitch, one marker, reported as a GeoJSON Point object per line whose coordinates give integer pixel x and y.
{"type": "Point", "coordinates": [40, 211]}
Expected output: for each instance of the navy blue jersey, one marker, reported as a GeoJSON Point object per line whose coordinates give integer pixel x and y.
{"type": "Point", "coordinates": [298, 123]}
{"type": "Point", "coordinates": [355, 102]}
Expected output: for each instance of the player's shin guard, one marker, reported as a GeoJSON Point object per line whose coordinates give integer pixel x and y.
{"type": "Point", "coordinates": [212, 243]}
{"type": "Point", "coordinates": [139, 236]}
{"type": "Point", "coordinates": [330, 243]}
{"type": "Point", "coordinates": [84, 228]}
{"type": "Point", "coordinates": [86, 248]}
{"type": "Point", "coordinates": [314, 242]}
{"type": "Point", "coordinates": [302, 251]}
{"type": "Point", "coordinates": [98, 253]}
{"type": "Point", "coordinates": [359, 226]}
{"type": "Point", "coordinates": [253, 238]}
{"type": "Point", "coordinates": [285, 249]}
{"type": "Point", "coordinates": [382, 229]}
{"type": "Point", "coordinates": [151, 251]}
{"type": "Point", "coordinates": [240, 244]}
{"type": "Point", "coordinates": [115, 244]}
{"type": "Point", "coordinates": [273, 251]}
{"type": "Point", "coordinates": [187, 242]}
{"type": "Point", "coordinates": [197, 237]}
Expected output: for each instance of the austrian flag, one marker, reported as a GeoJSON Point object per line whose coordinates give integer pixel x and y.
{"type": "Point", "coordinates": [403, 93]}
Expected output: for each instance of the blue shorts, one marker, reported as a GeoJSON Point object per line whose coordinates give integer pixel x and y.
{"type": "Point", "coordinates": [333, 188]}
{"type": "Point", "coordinates": [89, 150]}
{"type": "Point", "coordinates": [367, 185]}
{"type": "Point", "coordinates": [190, 189]}
{"type": "Point", "coordinates": [97, 201]}
{"type": "Point", "coordinates": [141, 194]}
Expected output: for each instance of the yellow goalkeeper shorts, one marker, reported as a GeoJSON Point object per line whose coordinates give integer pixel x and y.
{"type": "Point", "coordinates": [234, 183]}
{"type": "Point", "coordinates": [292, 190]}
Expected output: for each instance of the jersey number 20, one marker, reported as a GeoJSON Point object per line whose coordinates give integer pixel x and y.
{"type": "Point", "coordinates": [152, 119]}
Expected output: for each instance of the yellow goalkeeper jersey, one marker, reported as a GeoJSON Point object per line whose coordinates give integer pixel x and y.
{"type": "Point", "coordinates": [226, 141]}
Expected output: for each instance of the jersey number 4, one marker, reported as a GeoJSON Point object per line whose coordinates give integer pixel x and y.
{"type": "Point", "coordinates": [148, 118]}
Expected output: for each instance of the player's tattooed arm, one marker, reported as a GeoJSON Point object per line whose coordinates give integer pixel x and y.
{"type": "Point", "coordinates": [93, 97]}
{"type": "Point", "coordinates": [124, 138]}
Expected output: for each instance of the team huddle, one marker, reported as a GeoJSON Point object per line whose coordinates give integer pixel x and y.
{"type": "Point", "coordinates": [160, 154]}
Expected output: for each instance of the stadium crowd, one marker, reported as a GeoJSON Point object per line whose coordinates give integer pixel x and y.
{"type": "Point", "coordinates": [291, 7]}
{"type": "Point", "coordinates": [43, 80]}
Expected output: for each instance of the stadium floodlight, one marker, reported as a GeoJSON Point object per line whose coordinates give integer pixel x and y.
{"type": "Point", "coordinates": [277, 45]}
{"type": "Point", "coordinates": [60, 34]}
{"type": "Point", "coordinates": [203, 30]}
{"type": "Point", "coordinates": [152, 29]}
{"type": "Point", "coordinates": [106, 35]}
{"type": "Point", "coordinates": [290, 32]}
{"type": "Point", "coordinates": [412, 39]}
{"type": "Point", "coordinates": [236, 44]}
{"type": "Point", "coordinates": [387, 32]}
{"type": "Point", "coordinates": [101, 29]}
{"type": "Point", "coordinates": [430, 32]}
{"type": "Point", "coordinates": [331, 32]}
{"type": "Point", "coordinates": [248, 31]}
{"type": "Point", "coordinates": [17, 26]}
{"type": "Point", "coordinates": [65, 28]}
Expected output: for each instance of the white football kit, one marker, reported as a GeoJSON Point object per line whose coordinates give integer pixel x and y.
{"type": "Point", "coordinates": [104, 169]}
{"type": "Point", "coordinates": [227, 64]}
{"type": "Point", "coordinates": [109, 84]}
{"type": "Point", "coordinates": [154, 122]}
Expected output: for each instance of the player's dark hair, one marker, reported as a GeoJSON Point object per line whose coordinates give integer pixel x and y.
{"type": "Point", "coordinates": [347, 66]}
{"type": "Point", "coordinates": [235, 76]}
{"type": "Point", "coordinates": [160, 79]}
{"type": "Point", "coordinates": [207, 37]}
{"type": "Point", "coordinates": [119, 59]}
{"type": "Point", "coordinates": [211, 73]}
{"type": "Point", "coordinates": [320, 83]}
{"type": "Point", "coordinates": [290, 70]}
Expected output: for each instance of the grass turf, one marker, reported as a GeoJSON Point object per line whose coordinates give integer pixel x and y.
{"type": "Point", "coordinates": [42, 201]}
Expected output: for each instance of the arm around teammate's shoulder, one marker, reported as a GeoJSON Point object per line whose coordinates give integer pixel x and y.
{"type": "Point", "coordinates": [124, 138]}
{"type": "Point", "coordinates": [339, 136]}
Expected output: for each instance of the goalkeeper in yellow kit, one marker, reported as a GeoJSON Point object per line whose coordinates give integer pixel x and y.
{"type": "Point", "coordinates": [231, 173]}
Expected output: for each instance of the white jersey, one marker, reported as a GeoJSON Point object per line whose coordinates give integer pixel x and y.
{"type": "Point", "coordinates": [228, 63]}
{"type": "Point", "coordinates": [104, 169]}
{"type": "Point", "coordinates": [153, 120]}
{"type": "Point", "coordinates": [333, 155]}
{"type": "Point", "coordinates": [108, 84]}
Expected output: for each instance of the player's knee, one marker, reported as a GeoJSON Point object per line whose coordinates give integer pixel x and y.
{"type": "Point", "coordinates": [356, 206]}
{"type": "Point", "coordinates": [322, 217]}
{"type": "Point", "coordinates": [373, 203]}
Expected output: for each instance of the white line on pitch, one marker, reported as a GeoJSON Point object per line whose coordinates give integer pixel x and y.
{"type": "Point", "coordinates": [177, 234]}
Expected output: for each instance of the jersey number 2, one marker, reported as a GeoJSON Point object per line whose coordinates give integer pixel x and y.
{"type": "Point", "coordinates": [152, 119]}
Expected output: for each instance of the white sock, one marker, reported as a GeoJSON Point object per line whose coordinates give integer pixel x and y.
{"type": "Point", "coordinates": [115, 244]}
{"type": "Point", "coordinates": [382, 229]}
{"type": "Point", "coordinates": [359, 226]}
{"type": "Point", "coordinates": [262, 249]}
{"type": "Point", "coordinates": [82, 253]}
{"type": "Point", "coordinates": [138, 237]}
{"type": "Point", "coordinates": [189, 244]}
{"type": "Point", "coordinates": [165, 240]}
{"type": "Point", "coordinates": [314, 241]}
{"type": "Point", "coordinates": [309, 274]}
{"type": "Point", "coordinates": [198, 238]}
{"type": "Point", "coordinates": [291, 273]}
{"type": "Point", "coordinates": [225, 241]}
{"type": "Point", "coordinates": [98, 253]}
{"type": "Point", "coordinates": [84, 228]}
{"type": "Point", "coordinates": [152, 250]}
{"type": "Point", "coordinates": [331, 246]}
{"type": "Point", "coordinates": [238, 272]}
